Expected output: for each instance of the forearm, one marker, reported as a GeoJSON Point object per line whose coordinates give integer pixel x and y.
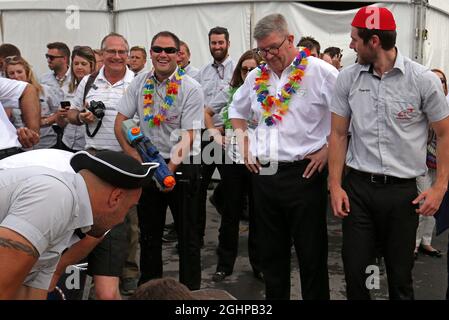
{"type": "Point", "coordinates": [241, 131]}
{"type": "Point", "coordinates": [338, 144]}
{"type": "Point", "coordinates": [31, 109]}
{"type": "Point", "coordinates": [77, 252]}
{"type": "Point", "coordinates": [120, 136]}
{"type": "Point", "coordinates": [73, 117]}
{"type": "Point", "coordinates": [442, 175]}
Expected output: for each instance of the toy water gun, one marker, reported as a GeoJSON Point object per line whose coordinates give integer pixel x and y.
{"type": "Point", "coordinates": [147, 150]}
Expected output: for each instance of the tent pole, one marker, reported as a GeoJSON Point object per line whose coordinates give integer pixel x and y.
{"type": "Point", "coordinates": [419, 29]}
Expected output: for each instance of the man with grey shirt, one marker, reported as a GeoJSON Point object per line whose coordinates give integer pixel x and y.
{"type": "Point", "coordinates": [170, 107]}
{"type": "Point", "coordinates": [213, 78]}
{"type": "Point", "coordinates": [388, 101]}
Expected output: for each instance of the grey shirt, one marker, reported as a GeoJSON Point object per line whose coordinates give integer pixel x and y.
{"type": "Point", "coordinates": [214, 78]}
{"type": "Point", "coordinates": [389, 116]}
{"type": "Point", "coordinates": [185, 114]}
{"type": "Point", "coordinates": [45, 207]}
{"type": "Point", "coordinates": [49, 79]}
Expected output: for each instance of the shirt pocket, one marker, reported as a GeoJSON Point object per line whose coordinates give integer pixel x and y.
{"type": "Point", "coordinates": [403, 111]}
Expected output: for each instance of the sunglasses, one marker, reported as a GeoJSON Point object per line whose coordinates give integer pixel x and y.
{"type": "Point", "coordinates": [51, 58]}
{"type": "Point", "coordinates": [246, 69]}
{"type": "Point", "coordinates": [167, 50]}
{"type": "Point", "coordinates": [11, 59]}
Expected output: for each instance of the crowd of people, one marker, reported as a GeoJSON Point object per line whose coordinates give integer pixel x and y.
{"type": "Point", "coordinates": [285, 126]}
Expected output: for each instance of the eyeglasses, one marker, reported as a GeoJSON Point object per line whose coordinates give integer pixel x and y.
{"type": "Point", "coordinates": [167, 50]}
{"type": "Point", "coordinates": [273, 50]}
{"type": "Point", "coordinates": [113, 52]}
{"type": "Point", "coordinates": [247, 69]}
{"type": "Point", "coordinates": [51, 58]}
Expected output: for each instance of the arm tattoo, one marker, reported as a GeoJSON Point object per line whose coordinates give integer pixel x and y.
{"type": "Point", "coordinates": [11, 244]}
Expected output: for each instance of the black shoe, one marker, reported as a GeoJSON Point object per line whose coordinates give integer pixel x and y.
{"type": "Point", "coordinates": [219, 276]}
{"type": "Point", "coordinates": [170, 236]}
{"type": "Point", "coordinates": [431, 253]}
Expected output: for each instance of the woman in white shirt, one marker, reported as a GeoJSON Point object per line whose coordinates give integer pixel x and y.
{"type": "Point", "coordinates": [17, 68]}
{"type": "Point", "coordinates": [83, 63]}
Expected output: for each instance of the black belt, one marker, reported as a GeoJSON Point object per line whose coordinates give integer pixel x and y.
{"type": "Point", "coordinates": [381, 178]}
{"type": "Point", "coordinates": [285, 163]}
{"type": "Point", "coordinates": [10, 151]}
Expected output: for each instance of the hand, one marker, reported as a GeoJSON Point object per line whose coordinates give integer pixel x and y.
{"type": "Point", "coordinates": [251, 163]}
{"type": "Point", "coordinates": [432, 199]}
{"type": "Point", "coordinates": [87, 117]}
{"type": "Point", "coordinates": [339, 201]}
{"type": "Point", "coordinates": [60, 117]}
{"type": "Point", "coordinates": [27, 137]}
{"type": "Point", "coordinates": [318, 160]}
{"type": "Point", "coordinates": [221, 140]}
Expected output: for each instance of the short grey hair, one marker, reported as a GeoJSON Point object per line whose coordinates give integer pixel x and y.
{"type": "Point", "coordinates": [272, 23]}
{"type": "Point", "coordinates": [111, 35]}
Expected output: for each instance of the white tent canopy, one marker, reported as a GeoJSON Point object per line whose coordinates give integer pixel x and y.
{"type": "Point", "coordinates": [31, 24]}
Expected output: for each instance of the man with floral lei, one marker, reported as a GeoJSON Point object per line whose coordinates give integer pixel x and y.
{"type": "Point", "coordinates": [170, 105]}
{"type": "Point", "coordinates": [290, 96]}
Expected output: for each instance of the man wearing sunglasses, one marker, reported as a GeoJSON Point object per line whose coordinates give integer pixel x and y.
{"type": "Point", "coordinates": [58, 60]}
{"type": "Point", "coordinates": [170, 105]}
{"type": "Point", "coordinates": [287, 155]}
{"type": "Point", "coordinates": [108, 86]}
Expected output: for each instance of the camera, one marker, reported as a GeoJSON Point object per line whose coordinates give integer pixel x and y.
{"type": "Point", "coordinates": [97, 108]}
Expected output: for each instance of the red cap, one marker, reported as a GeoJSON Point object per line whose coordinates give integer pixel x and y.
{"type": "Point", "coordinates": [374, 18]}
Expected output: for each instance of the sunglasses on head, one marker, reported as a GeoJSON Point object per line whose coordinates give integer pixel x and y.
{"type": "Point", "coordinates": [51, 58]}
{"type": "Point", "coordinates": [167, 50]}
{"type": "Point", "coordinates": [11, 59]}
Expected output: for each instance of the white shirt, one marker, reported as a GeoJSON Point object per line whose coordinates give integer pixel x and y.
{"type": "Point", "coordinates": [10, 90]}
{"type": "Point", "coordinates": [109, 94]}
{"type": "Point", "coordinates": [303, 130]}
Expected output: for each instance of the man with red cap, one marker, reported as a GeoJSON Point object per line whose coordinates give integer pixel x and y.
{"type": "Point", "coordinates": [389, 101]}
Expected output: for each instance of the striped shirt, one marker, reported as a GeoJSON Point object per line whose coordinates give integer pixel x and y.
{"type": "Point", "coordinates": [214, 78]}
{"type": "Point", "coordinates": [109, 94]}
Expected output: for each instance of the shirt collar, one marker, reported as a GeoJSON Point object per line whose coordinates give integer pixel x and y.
{"type": "Point", "coordinates": [227, 61]}
{"type": "Point", "coordinates": [129, 75]}
{"type": "Point", "coordinates": [164, 81]}
{"type": "Point", "coordinates": [398, 64]}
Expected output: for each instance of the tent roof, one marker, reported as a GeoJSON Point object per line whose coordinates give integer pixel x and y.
{"type": "Point", "coordinates": [91, 5]}
{"type": "Point", "coordinates": [121, 5]}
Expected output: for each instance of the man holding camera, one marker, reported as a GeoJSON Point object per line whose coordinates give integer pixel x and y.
{"type": "Point", "coordinates": [95, 108]}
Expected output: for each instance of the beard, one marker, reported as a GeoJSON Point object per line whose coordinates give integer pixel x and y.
{"type": "Point", "coordinates": [219, 55]}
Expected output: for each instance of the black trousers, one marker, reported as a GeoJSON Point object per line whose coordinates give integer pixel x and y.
{"type": "Point", "coordinates": [9, 152]}
{"type": "Point", "coordinates": [290, 208]}
{"type": "Point", "coordinates": [207, 170]}
{"type": "Point", "coordinates": [151, 211]}
{"type": "Point", "coordinates": [236, 187]}
{"type": "Point", "coordinates": [382, 217]}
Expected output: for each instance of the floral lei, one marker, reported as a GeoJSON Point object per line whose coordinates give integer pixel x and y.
{"type": "Point", "coordinates": [155, 119]}
{"type": "Point", "coordinates": [280, 104]}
